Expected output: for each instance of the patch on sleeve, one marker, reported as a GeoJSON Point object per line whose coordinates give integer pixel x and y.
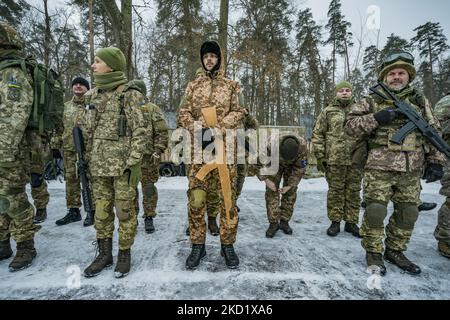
{"type": "Point", "coordinates": [14, 89]}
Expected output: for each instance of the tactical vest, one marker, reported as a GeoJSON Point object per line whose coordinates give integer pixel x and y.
{"type": "Point", "coordinates": [381, 137]}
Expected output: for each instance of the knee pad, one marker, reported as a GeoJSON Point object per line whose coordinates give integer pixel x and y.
{"type": "Point", "coordinates": [4, 204]}
{"type": "Point", "coordinates": [102, 209]}
{"type": "Point", "coordinates": [376, 213]}
{"type": "Point", "coordinates": [406, 215]}
{"type": "Point", "coordinates": [123, 209]}
{"type": "Point", "coordinates": [150, 190]}
{"type": "Point", "coordinates": [36, 180]}
{"type": "Point", "coordinates": [197, 198]}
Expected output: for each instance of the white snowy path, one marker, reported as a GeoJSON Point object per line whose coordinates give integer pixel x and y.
{"type": "Point", "coordinates": [306, 265]}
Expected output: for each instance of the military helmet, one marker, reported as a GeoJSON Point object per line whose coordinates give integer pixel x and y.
{"type": "Point", "coordinates": [289, 148]}
{"type": "Point", "coordinates": [395, 60]}
{"type": "Point", "coordinates": [442, 108]}
{"type": "Point", "coordinates": [140, 85]}
{"type": "Point", "coordinates": [9, 37]}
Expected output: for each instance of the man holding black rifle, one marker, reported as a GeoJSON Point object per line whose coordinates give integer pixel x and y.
{"type": "Point", "coordinates": [393, 170]}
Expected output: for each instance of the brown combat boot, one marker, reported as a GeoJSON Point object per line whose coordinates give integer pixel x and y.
{"type": "Point", "coordinates": [375, 262]}
{"type": "Point", "coordinates": [334, 229]}
{"type": "Point", "coordinates": [103, 260]}
{"type": "Point", "coordinates": [5, 250]}
{"type": "Point", "coordinates": [399, 259]}
{"type": "Point", "coordinates": [273, 228]}
{"type": "Point", "coordinates": [123, 263]}
{"type": "Point", "coordinates": [24, 256]}
{"type": "Point", "coordinates": [284, 226]}
{"type": "Point", "coordinates": [212, 226]}
{"type": "Point", "coordinates": [444, 249]}
{"type": "Point", "coordinates": [41, 215]}
{"type": "Point", "coordinates": [353, 229]}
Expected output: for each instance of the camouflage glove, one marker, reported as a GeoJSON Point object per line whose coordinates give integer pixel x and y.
{"type": "Point", "coordinates": [134, 174]}
{"type": "Point", "coordinates": [322, 165]}
{"type": "Point", "coordinates": [433, 172]}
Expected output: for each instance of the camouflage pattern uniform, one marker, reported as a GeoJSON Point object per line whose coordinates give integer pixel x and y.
{"type": "Point", "coordinates": [291, 172]}
{"type": "Point", "coordinates": [39, 156]}
{"type": "Point", "coordinates": [392, 172]}
{"type": "Point", "coordinates": [111, 156]}
{"type": "Point", "coordinates": [225, 95]}
{"type": "Point", "coordinates": [442, 231]}
{"type": "Point", "coordinates": [156, 144]}
{"type": "Point", "coordinates": [343, 172]}
{"type": "Point", "coordinates": [16, 98]}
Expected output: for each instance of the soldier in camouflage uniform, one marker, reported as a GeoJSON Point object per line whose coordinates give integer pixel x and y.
{"type": "Point", "coordinates": [16, 99]}
{"type": "Point", "coordinates": [393, 172]}
{"type": "Point", "coordinates": [335, 154]}
{"type": "Point", "coordinates": [74, 115]}
{"type": "Point", "coordinates": [118, 129]}
{"type": "Point", "coordinates": [157, 143]}
{"type": "Point", "coordinates": [292, 167]}
{"type": "Point", "coordinates": [39, 155]}
{"type": "Point", "coordinates": [206, 93]}
{"type": "Point", "coordinates": [442, 231]}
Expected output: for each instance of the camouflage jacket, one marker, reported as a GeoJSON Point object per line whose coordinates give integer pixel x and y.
{"type": "Point", "coordinates": [292, 170]}
{"type": "Point", "coordinates": [117, 128]}
{"type": "Point", "coordinates": [157, 129]}
{"type": "Point", "coordinates": [384, 155]}
{"type": "Point", "coordinates": [74, 115]}
{"type": "Point", "coordinates": [442, 113]}
{"type": "Point", "coordinates": [329, 139]}
{"type": "Point", "coordinates": [206, 91]}
{"type": "Point", "coordinates": [16, 99]}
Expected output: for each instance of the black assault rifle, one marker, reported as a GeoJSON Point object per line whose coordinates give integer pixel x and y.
{"type": "Point", "coordinates": [415, 121]}
{"type": "Point", "coordinates": [82, 171]}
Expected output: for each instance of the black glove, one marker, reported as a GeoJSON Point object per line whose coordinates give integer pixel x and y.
{"type": "Point", "coordinates": [433, 172]}
{"type": "Point", "coordinates": [205, 143]}
{"type": "Point", "coordinates": [56, 154]}
{"type": "Point", "coordinates": [386, 116]}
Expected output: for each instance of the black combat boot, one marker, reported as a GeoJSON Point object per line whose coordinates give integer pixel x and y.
{"type": "Point", "coordinates": [353, 229]}
{"type": "Point", "coordinates": [103, 260]}
{"type": "Point", "coordinates": [197, 253]}
{"type": "Point", "coordinates": [212, 226]}
{"type": "Point", "coordinates": [5, 250]}
{"type": "Point", "coordinates": [73, 215]}
{"type": "Point", "coordinates": [24, 256]}
{"type": "Point", "coordinates": [334, 229]}
{"type": "Point", "coordinates": [273, 228]}
{"type": "Point", "coordinates": [284, 225]}
{"type": "Point", "coordinates": [444, 249]}
{"type": "Point", "coordinates": [363, 204]}
{"type": "Point", "coordinates": [149, 227]}
{"type": "Point", "coordinates": [376, 260]}
{"type": "Point", "coordinates": [188, 233]}
{"type": "Point", "coordinates": [89, 220]}
{"type": "Point", "coordinates": [123, 263]}
{"type": "Point", "coordinates": [427, 206]}
{"type": "Point", "coordinates": [231, 259]}
{"type": "Point", "coordinates": [399, 259]}
{"type": "Point", "coordinates": [41, 215]}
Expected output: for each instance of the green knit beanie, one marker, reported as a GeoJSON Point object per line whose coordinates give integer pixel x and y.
{"type": "Point", "coordinates": [343, 84]}
{"type": "Point", "coordinates": [113, 57]}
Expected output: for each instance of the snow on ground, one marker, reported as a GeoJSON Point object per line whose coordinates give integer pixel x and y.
{"type": "Point", "coordinates": [305, 265]}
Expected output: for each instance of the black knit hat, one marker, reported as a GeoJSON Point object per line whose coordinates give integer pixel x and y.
{"type": "Point", "coordinates": [211, 47]}
{"type": "Point", "coordinates": [81, 81]}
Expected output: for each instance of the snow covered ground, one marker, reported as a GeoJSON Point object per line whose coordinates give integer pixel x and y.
{"type": "Point", "coordinates": [306, 265]}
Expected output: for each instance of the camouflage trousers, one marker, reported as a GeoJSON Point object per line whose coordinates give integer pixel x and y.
{"type": "Point", "coordinates": [380, 187]}
{"type": "Point", "coordinates": [39, 155]}
{"type": "Point", "coordinates": [110, 193]}
{"type": "Point", "coordinates": [73, 189]}
{"type": "Point", "coordinates": [150, 175]}
{"type": "Point", "coordinates": [280, 209]}
{"type": "Point", "coordinates": [242, 170]}
{"type": "Point", "coordinates": [343, 200]}
{"type": "Point", "coordinates": [197, 196]}
{"type": "Point", "coordinates": [442, 231]}
{"type": "Point", "coordinates": [16, 212]}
